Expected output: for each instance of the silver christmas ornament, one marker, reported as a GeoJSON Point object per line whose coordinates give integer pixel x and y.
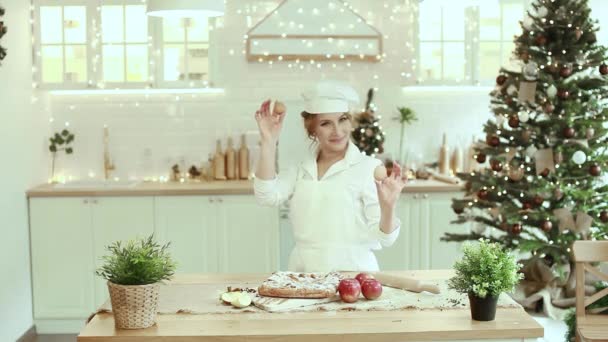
{"type": "Point", "coordinates": [530, 71]}
{"type": "Point", "coordinates": [523, 116]}
{"type": "Point", "coordinates": [542, 12]}
{"type": "Point", "coordinates": [590, 133]}
{"type": "Point", "coordinates": [528, 23]}
{"type": "Point", "coordinates": [551, 91]}
{"type": "Point", "coordinates": [580, 58]}
{"type": "Point", "coordinates": [511, 90]}
{"type": "Point", "coordinates": [579, 157]}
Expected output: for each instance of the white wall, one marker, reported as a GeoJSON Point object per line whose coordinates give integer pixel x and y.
{"type": "Point", "coordinates": [22, 133]}
{"type": "Point", "coordinates": [148, 135]}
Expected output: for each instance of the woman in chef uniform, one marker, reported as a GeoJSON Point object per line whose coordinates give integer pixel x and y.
{"type": "Point", "coordinates": [342, 204]}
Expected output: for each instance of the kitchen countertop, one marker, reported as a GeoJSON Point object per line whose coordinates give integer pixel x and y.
{"type": "Point", "coordinates": [398, 325]}
{"type": "Point", "coordinates": [240, 187]}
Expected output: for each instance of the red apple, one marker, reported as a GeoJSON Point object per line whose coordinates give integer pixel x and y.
{"type": "Point", "coordinates": [349, 290]}
{"type": "Point", "coordinates": [363, 276]}
{"type": "Point", "coordinates": [371, 289]}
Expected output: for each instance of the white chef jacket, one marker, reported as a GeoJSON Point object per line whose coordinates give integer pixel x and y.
{"type": "Point", "coordinates": [336, 219]}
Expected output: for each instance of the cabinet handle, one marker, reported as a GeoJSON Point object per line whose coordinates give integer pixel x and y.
{"type": "Point", "coordinates": [426, 195]}
{"type": "Point", "coordinates": [85, 201]}
{"type": "Point", "coordinates": [211, 200]}
{"type": "Point", "coordinates": [221, 200]}
{"type": "Point", "coordinates": [94, 201]}
{"type": "Point", "coordinates": [416, 196]}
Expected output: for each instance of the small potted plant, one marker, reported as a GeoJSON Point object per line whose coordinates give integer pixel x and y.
{"type": "Point", "coordinates": [133, 271]}
{"type": "Point", "coordinates": [484, 272]}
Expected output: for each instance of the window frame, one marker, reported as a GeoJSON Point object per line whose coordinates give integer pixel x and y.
{"type": "Point", "coordinates": [472, 51]}
{"type": "Point", "coordinates": [94, 81]}
{"type": "Point", "coordinates": [37, 45]}
{"type": "Point", "coordinates": [99, 74]}
{"type": "Point", "coordinates": [159, 43]}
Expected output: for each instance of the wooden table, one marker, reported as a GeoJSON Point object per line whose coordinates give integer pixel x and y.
{"type": "Point", "coordinates": [411, 325]}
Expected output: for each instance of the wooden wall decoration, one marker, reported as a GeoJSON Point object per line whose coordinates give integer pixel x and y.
{"type": "Point", "coordinates": [2, 33]}
{"type": "Point", "coordinates": [313, 30]}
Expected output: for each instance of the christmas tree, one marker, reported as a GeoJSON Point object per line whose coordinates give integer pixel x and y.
{"type": "Point", "coordinates": [538, 186]}
{"type": "Point", "coordinates": [2, 33]}
{"type": "Point", "coordinates": [368, 134]}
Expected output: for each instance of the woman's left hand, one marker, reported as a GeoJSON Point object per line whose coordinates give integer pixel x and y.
{"type": "Point", "coordinates": [389, 189]}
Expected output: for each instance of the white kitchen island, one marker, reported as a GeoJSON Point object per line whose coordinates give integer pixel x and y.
{"type": "Point", "coordinates": [213, 227]}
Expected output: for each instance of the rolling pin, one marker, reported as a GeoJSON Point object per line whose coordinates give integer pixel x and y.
{"type": "Point", "coordinates": [405, 283]}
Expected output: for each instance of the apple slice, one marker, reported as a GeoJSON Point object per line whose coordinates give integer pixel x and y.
{"type": "Point", "coordinates": [241, 300]}
{"type": "Point", "coordinates": [228, 297]}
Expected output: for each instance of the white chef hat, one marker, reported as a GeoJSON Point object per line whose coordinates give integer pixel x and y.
{"type": "Point", "coordinates": [329, 97]}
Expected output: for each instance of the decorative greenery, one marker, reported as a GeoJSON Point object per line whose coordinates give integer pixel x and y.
{"type": "Point", "coordinates": [570, 318]}
{"type": "Point", "coordinates": [138, 262]}
{"type": "Point", "coordinates": [406, 116]}
{"type": "Point", "coordinates": [60, 142]}
{"type": "Point", "coordinates": [570, 321]}
{"type": "Point", "coordinates": [485, 270]}
{"type": "Point", "coordinates": [3, 31]}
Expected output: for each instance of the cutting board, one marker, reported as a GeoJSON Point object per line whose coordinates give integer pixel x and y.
{"type": "Point", "coordinates": [274, 304]}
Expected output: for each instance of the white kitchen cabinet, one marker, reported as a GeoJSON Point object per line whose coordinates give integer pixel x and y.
{"type": "Point", "coordinates": [398, 255]}
{"type": "Point", "coordinates": [68, 238]}
{"type": "Point", "coordinates": [424, 220]}
{"type": "Point", "coordinates": [248, 236]}
{"type": "Point", "coordinates": [189, 223]}
{"type": "Point", "coordinates": [113, 219]}
{"type": "Point", "coordinates": [228, 234]}
{"type": "Point", "coordinates": [62, 257]}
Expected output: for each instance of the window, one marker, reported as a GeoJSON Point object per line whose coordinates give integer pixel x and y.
{"type": "Point", "coordinates": [185, 50]}
{"type": "Point", "coordinates": [124, 43]}
{"type": "Point", "coordinates": [442, 42]}
{"type": "Point", "coordinates": [116, 45]}
{"type": "Point", "coordinates": [63, 55]}
{"type": "Point", "coordinates": [466, 45]}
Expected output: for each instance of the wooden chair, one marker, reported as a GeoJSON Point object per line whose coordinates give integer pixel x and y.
{"type": "Point", "coordinates": [589, 327]}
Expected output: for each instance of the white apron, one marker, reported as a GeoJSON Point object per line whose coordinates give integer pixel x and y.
{"type": "Point", "coordinates": [325, 233]}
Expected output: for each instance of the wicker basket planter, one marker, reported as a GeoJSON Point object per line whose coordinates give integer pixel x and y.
{"type": "Point", "coordinates": [134, 306]}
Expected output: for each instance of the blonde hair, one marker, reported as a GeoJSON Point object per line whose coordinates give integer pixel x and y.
{"type": "Point", "coordinates": [310, 123]}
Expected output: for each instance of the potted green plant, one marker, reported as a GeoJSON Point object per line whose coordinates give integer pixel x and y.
{"type": "Point", "coordinates": [484, 272]}
{"type": "Point", "coordinates": [406, 116]}
{"type": "Point", "coordinates": [133, 271]}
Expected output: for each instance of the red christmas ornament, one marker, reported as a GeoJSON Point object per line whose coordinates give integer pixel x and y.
{"type": "Point", "coordinates": [604, 216]}
{"type": "Point", "coordinates": [546, 226]}
{"type": "Point", "coordinates": [493, 140]}
{"type": "Point", "coordinates": [516, 229]}
{"type": "Point", "coordinates": [496, 165]}
{"type": "Point", "coordinates": [595, 170]}
{"type": "Point", "coordinates": [603, 69]}
{"type": "Point", "coordinates": [545, 172]}
{"type": "Point", "coordinates": [501, 79]}
{"type": "Point", "coordinates": [482, 194]}
{"type": "Point", "coordinates": [565, 72]}
{"type": "Point", "coordinates": [563, 94]}
{"type": "Point", "coordinates": [526, 205]}
{"type": "Point", "coordinates": [569, 132]}
{"type": "Point", "coordinates": [541, 40]}
{"type": "Point", "coordinates": [548, 108]}
{"type": "Point", "coordinates": [538, 200]}
{"type": "Point", "coordinates": [458, 210]}
{"type": "Point", "coordinates": [514, 121]}
{"type": "Point", "coordinates": [481, 158]}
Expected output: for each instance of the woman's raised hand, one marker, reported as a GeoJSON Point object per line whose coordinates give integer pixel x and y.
{"type": "Point", "coordinates": [270, 124]}
{"type": "Point", "coordinates": [390, 187]}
